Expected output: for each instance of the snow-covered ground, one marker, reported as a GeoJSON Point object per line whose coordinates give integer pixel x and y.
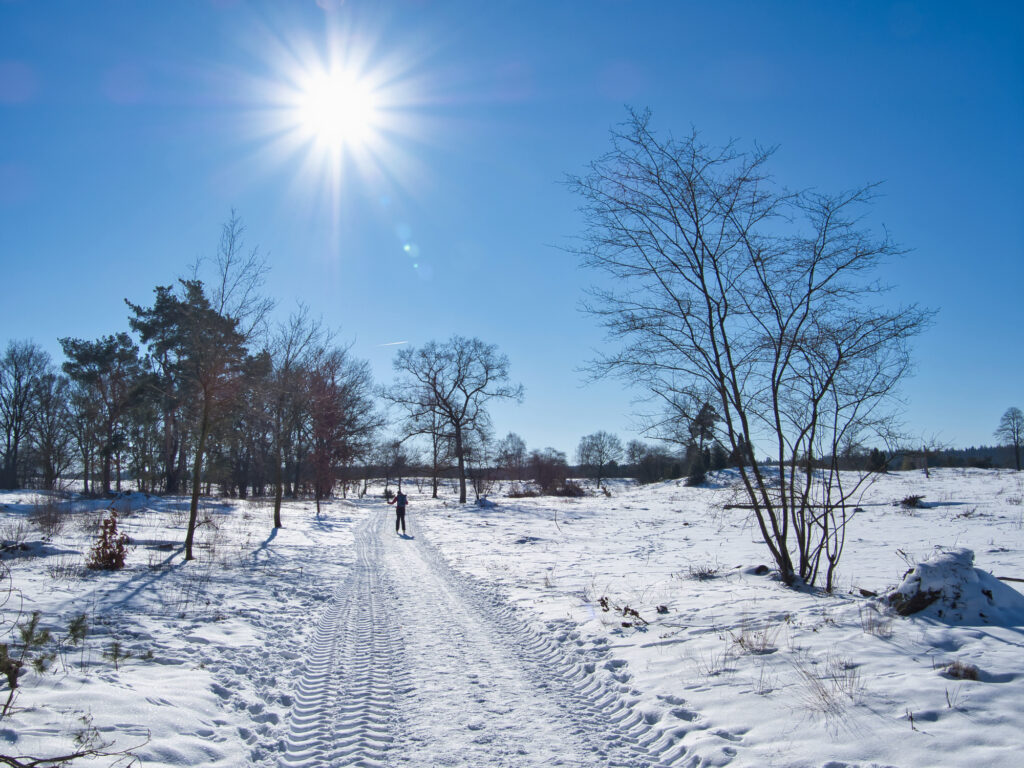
{"type": "Point", "coordinates": [483, 637]}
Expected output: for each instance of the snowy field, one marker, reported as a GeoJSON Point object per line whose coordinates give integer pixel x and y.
{"type": "Point", "coordinates": [496, 635]}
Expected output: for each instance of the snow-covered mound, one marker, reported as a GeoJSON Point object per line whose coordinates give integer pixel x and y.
{"type": "Point", "coordinates": [948, 586]}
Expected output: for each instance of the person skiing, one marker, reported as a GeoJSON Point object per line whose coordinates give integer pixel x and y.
{"type": "Point", "coordinates": [399, 500]}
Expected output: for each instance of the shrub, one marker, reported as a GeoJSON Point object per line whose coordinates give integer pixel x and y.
{"type": "Point", "coordinates": [914, 501]}
{"type": "Point", "coordinates": [49, 517]}
{"type": "Point", "coordinates": [109, 552]}
{"type": "Point", "coordinates": [571, 488]}
{"type": "Point", "coordinates": [521, 491]}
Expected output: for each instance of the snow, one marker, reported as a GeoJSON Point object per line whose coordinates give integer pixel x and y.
{"type": "Point", "coordinates": [948, 586]}
{"type": "Point", "coordinates": [636, 629]}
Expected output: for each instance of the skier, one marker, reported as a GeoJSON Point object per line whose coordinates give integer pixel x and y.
{"type": "Point", "coordinates": [400, 500]}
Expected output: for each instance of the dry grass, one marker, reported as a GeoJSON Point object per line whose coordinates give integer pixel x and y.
{"type": "Point", "coordinates": [759, 641]}
{"type": "Point", "coordinates": [65, 568]}
{"type": "Point", "coordinates": [828, 689]}
{"type": "Point", "coordinates": [702, 572]}
{"type": "Point", "coordinates": [960, 670]}
{"type": "Point", "coordinates": [876, 621]}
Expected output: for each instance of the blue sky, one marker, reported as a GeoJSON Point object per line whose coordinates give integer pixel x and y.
{"type": "Point", "coordinates": [129, 130]}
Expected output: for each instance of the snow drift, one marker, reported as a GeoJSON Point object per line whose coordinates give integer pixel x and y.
{"type": "Point", "coordinates": [947, 586]}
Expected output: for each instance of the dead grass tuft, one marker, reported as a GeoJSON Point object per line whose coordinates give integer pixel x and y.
{"type": "Point", "coordinates": [960, 670]}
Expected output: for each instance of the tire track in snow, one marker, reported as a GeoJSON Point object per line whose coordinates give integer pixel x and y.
{"type": "Point", "coordinates": [598, 704]}
{"type": "Point", "coordinates": [471, 702]}
{"type": "Point", "coordinates": [343, 708]}
{"type": "Point", "coordinates": [415, 664]}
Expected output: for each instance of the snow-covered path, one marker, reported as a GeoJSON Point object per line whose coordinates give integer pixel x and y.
{"type": "Point", "coordinates": [413, 664]}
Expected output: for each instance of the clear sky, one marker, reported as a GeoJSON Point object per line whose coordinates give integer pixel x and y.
{"type": "Point", "coordinates": [129, 130]}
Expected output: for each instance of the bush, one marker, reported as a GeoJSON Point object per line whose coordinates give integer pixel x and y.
{"type": "Point", "coordinates": [914, 501]}
{"type": "Point", "coordinates": [571, 488]}
{"type": "Point", "coordinates": [521, 491]}
{"type": "Point", "coordinates": [108, 554]}
{"type": "Point", "coordinates": [48, 516]}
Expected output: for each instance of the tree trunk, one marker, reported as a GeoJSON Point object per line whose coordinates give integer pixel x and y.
{"type": "Point", "coordinates": [462, 464]}
{"type": "Point", "coordinates": [182, 463]}
{"type": "Point", "coordinates": [278, 487]}
{"type": "Point", "coordinates": [106, 470]}
{"type": "Point", "coordinates": [193, 513]}
{"type": "Point", "coordinates": [170, 451]}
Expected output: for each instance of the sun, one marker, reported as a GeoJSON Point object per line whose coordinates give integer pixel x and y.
{"type": "Point", "coordinates": [337, 109]}
{"type": "Point", "coordinates": [340, 115]}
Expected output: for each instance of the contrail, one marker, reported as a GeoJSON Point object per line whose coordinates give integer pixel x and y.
{"type": "Point", "coordinates": [393, 344]}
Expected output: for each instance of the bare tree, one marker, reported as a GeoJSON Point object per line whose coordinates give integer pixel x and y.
{"type": "Point", "coordinates": [456, 379]}
{"type": "Point", "coordinates": [479, 452]}
{"type": "Point", "coordinates": [292, 348]}
{"type": "Point", "coordinates": [724, 283]}
{"type": "Point", "coordinates": [549, 469]}
{"type": "Point", "coordinates": [510, 453]}
{"type": "Point", "coordinates": [429, 422]}
{"type": "Point", "coordinates": [236, 279]}
{"type": "Point", "coordinates": [1011, 431]}
{"type": "Point", "coordinates": [52, 437]}
{"type": "Point", "coordinates": [343, 419]}
{"type": "Point", "coordinates": [394, 459]}
{"type": "Point", "coordinates": [635, 452]}
{"type": "Point", "coordinates": [597, 451]}
{"type": "Point", "coordinates": [22, 367]}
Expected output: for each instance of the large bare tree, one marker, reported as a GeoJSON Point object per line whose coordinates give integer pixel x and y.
{"type": "Point", "coordinates": [454, 380]}
{"type": "Point", "coordinates": [723, 283]}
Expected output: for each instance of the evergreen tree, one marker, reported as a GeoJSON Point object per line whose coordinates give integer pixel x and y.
{"type": "Point", "coordinates": [109, 371]}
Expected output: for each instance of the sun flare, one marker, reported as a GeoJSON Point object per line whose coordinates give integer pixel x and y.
{"type": "Point", "coordinates": [344, 117]}
{"type": "Point", "coordinates": [337, 109]}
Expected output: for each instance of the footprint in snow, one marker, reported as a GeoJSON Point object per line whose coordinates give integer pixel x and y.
{"type": "Point", "coordinates": [685, 714]}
